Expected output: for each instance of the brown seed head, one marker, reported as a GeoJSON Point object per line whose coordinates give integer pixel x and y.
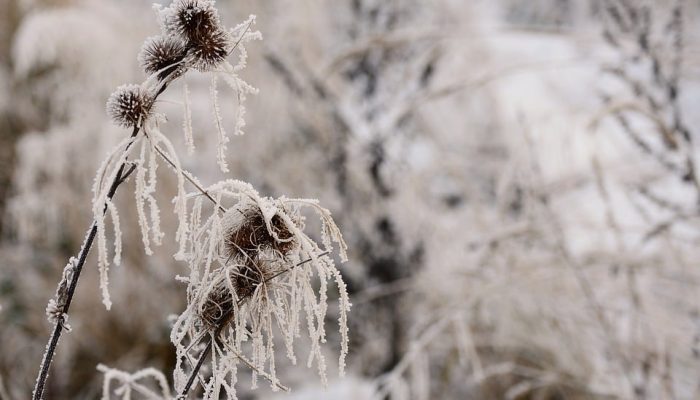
{"type": "Point", "coordinates": [161, 54]}
{"type": "Point", "coordinates": [210, 50]}
{"type": "Point", "coordinates": [244, 276]}
{"type": "Point", "coordinates": [246, 234]}
{"type": "Point", "coordinates": [128, 106]}
{"type": "Point", "coordinates": [192, 19]}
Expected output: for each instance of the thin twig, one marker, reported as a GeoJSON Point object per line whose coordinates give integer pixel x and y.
{"type": "Point", "coordinates": [254, 368]}
{"type": "Point", "coordinates": [121, 176]}
{"type": "Point", "coordinates": [325, 253]}
{"type": "Point", "coordinates": [186, 175]}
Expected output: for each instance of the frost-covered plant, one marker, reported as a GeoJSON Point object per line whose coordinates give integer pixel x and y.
{"type": "Point", "coordinates": [165, 58]}
{"type": "Point", "coordinates": [252, 266]}
{"type": "Point", "coordinates": [250, 260]}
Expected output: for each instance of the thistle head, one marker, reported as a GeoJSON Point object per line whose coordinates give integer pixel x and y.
{"type": "Point", "coordinates": [191, 19]}
{"type": "Point", "coordinates": [210, 50]}
{"type": "Point", "coordinates": [196, 23]}
{"type": "Point", "coordinates": [162, 55]}
{"type": "Point", "coordinates": [129, 106]}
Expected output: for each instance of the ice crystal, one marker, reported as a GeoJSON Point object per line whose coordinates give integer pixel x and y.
{"type": "Point", "coordinates": [108, 172]}
{"type": "Point", "coordinates": [187, 120]}
{"type": "Point", "coordinates": [54, 310]}
{"type": "Point", "coordinates": [223, 139]}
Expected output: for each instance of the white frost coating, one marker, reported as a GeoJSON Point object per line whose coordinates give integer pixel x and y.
{"type": "Point", "coordinates": [103, 262]}
{"type": "Point", "coordinates": [242, 89]}
{"type": "Point", "coordinates": [157, 234]}
{"type": "Point", "coordinates": [114, 215]}
{"type": "Point", "coordinates": [155, 137]}
{"type": "Point", "coordinates": [187, 119]}
{"type": "Point", "coordinates": [223, 139]}
{"type": "Point", "coordinates": [140, 193]}
{"type": "Point", "coordinates": [130, 384]}
{"type": "Point", "coordinates": [54, 310]}
{"type": "Point", "coordinates": [106, 174]}
{"type": "Point", "coordinates": [243, 34]}
{"type": "Point", "coordinates": [230, 73]}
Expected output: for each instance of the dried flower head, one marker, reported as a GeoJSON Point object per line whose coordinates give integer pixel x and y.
{"type": "Point", "coordinates": [218, 307]}
{"type": "Point", "coordinates": [211, 50]}
{"type": "Point", "coordinates": [128, 106]}
{"type": "Point", "coordinates": [256, 274]}
{"type": "Point", "coordinates": [162, 55]}
{"type": "Point", "coordinates": [246, 232]}
{"type": "Point", "coordinates": [236, 282]}
{"type": "Point", "coordinates": [191, 19]}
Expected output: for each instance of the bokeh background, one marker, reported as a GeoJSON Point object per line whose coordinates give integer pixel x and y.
{"type": "Point", "coordinates": [517, 181]}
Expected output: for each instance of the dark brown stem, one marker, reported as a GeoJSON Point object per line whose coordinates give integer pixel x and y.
{"type": "Point", "coordinates": [198, 366]}
{"type": "Point", "coordinates": [121, 176]}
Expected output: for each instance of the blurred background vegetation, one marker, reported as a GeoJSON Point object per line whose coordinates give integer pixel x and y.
{"type": "Point", "coordinates": [516, 181]}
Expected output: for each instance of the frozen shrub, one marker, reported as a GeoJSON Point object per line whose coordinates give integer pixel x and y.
{"type": "Point", "coordinates": [252, 265]}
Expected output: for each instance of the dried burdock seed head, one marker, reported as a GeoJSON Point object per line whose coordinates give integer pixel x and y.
{"type": "Point", "coordinates": [128, 106]}
{"type": "Point", "coordinates": [163, 55]}
{"type": "Point", "coordinates": [253, 271]}
{"type": "Point", "coordinates": [210, 50]}
{"type": "Point", "coordinates": [237, 281]}
{"type": "Point", "coordinates": [218, 307]}
{"type": "Point", "coordinates": [192, 19]}
{"type": "Point", "coordinates": [246, 232]}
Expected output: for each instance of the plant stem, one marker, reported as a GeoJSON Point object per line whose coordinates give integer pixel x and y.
{"type": "Point", "coordinates": [197, 367]}
{"type": "Point", "coordinates": [121, 176]}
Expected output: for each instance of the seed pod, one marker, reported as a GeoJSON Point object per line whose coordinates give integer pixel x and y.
{"type": "Point", "coordinates": [128, 106]}
{"type": "Point", "coordinates": [245, 274]}
{"type": "Point", "coordinates": [162, 54]}
{"type": "Point", "coordinates": [210, 50]}
{"type": "Point", "coordinates": [246, 233]}
{"type": "Point", "coordinates": [192, 19]}
{"type": "Point", "coordinates": [217, 309]}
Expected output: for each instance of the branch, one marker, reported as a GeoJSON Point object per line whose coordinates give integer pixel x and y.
{"type": "Point", "coordinates": [121, 176]}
